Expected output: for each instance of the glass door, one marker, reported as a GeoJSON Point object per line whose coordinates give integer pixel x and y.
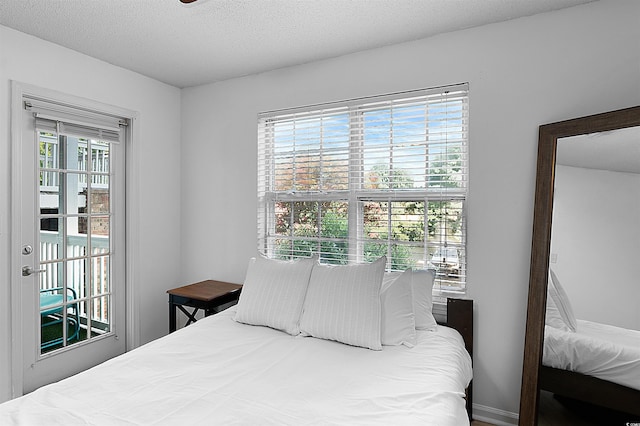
{"type": "Point", "coordinates": [72, 229]}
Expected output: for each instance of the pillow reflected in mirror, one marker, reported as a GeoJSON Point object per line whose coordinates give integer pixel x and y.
{"type": "Point", "coordinates": [561, 301]}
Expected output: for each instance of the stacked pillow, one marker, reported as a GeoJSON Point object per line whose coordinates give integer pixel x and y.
{"type": "Point", "coordinates": [559, 313]}
{"type": "Point", "coordinates": [343, 304]}
{"type": "Point", "coordinates": [398, 325]}
{"type": "Point", "coordinates": [273, 293]}
{"type": "Point", "coordinates": [422, 286]}
{"type": "Point", "coordinates": [359, 304]}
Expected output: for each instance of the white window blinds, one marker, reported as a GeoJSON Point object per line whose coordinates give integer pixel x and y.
{"type": "Point", "coordinates": [358, 179]}
{"type": "Point", "coordinates": [57, 118]}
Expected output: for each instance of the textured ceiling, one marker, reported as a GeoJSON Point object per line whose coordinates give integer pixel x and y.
{"type": "Point", "coordinates": [213, 40]}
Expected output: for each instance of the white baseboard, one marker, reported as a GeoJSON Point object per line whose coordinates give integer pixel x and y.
{"type": "Point", "coordinates": [494, 416]}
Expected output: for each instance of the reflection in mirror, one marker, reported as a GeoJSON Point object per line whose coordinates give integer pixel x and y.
{"type": "Point", "coordinates": [584, 267]}
{"type": "Point", "coordinates": [595, 238]}
{"type": "Point", "coordinates": [593, 313]}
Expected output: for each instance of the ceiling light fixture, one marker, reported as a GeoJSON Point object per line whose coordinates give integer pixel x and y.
{"type": "Point", "coordinates": [189, 3]}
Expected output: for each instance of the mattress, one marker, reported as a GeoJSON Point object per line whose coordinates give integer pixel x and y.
{"type": "Point", "coordinates": [599, 350]}
{"type": "Point", "coordinates": [218, 371]}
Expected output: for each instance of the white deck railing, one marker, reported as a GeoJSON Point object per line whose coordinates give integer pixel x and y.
{"type": "Point", "coordinates": [49, 157]}
{"type": "Point", "coordinates": [77, 273]}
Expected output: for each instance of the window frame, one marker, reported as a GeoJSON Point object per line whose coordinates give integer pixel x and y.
{"type": "Point", "coordinates": [356, 193]}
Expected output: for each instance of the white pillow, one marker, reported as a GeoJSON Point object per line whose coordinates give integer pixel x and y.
{"type": "Point", "coordinates": [273, 293]}
{"type": "Point", "coordinates": [398, 326]}
{"type": "Point", "coordinates": [422, 287]}
{"type": "Point", "coordinates": [561, 301]}
{"type": "Point", "coordinates": [552, 316]}
{"type": "Point", "coordinates": [343, 304]}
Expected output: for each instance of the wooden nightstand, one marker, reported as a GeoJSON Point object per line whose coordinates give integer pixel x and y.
{"type": "Point", "coordinates": [207, 295]}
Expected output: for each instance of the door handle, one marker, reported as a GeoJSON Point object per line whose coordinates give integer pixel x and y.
{"type": "Point", "coordinates": [28, 270]}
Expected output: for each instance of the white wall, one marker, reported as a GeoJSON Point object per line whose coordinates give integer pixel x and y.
{"type": "Point", "coordinates": [522, 73]}
{"type": "Point", "coordinates": [596, 240]}
{"type": "Point", "coordinates": [34, 61]}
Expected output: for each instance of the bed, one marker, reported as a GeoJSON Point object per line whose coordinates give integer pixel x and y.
{"type": "Point", "coordinates": [598, 363]}
{"type": "Point", "coordinates": [225, 370]}
{"type": "Point", "coordinates": [589, 361]}
{"type": "Point", "coordinates": [607, 352]}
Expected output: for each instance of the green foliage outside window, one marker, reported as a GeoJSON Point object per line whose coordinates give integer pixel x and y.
{"type": "Point", "coordinates": [297, 222]}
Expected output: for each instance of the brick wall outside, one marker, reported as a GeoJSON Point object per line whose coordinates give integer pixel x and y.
{"type": "Point", "coordinates": [100, 204]}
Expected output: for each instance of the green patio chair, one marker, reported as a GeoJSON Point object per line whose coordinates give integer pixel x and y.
{"type": "Point", "coordinates": [51, 314]}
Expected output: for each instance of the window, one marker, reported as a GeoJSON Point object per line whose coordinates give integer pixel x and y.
{"type": "Point", "coordinates": [355, 180]}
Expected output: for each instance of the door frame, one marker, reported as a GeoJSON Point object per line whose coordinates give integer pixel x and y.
{"type": "Point", "coordinates": [132, 219]}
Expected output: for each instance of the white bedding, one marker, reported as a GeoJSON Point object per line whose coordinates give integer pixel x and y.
{"type": "Point", "coordinates": [218, 371]}
{"type": "Point", "coordinates": [603, 351]}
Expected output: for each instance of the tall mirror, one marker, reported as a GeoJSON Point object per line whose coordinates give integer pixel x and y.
{"type": "Point", "coordinates": [583, 319]}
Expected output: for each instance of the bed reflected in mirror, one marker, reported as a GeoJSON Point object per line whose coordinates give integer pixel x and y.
{"type": "Point", "coordinates": [592, 319]}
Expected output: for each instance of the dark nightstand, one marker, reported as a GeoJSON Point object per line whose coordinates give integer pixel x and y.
{"type": "Point", "coordinates": [207, 295]}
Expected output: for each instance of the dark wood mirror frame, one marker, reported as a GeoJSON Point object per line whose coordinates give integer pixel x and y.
{"type": "Point", "coordinates": [541, 242]}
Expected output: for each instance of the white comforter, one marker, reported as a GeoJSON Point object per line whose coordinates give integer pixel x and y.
{"type": "Point", "coordinates": [603, 351]}
{"type": "Point", "coordinates": [217, 371]}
